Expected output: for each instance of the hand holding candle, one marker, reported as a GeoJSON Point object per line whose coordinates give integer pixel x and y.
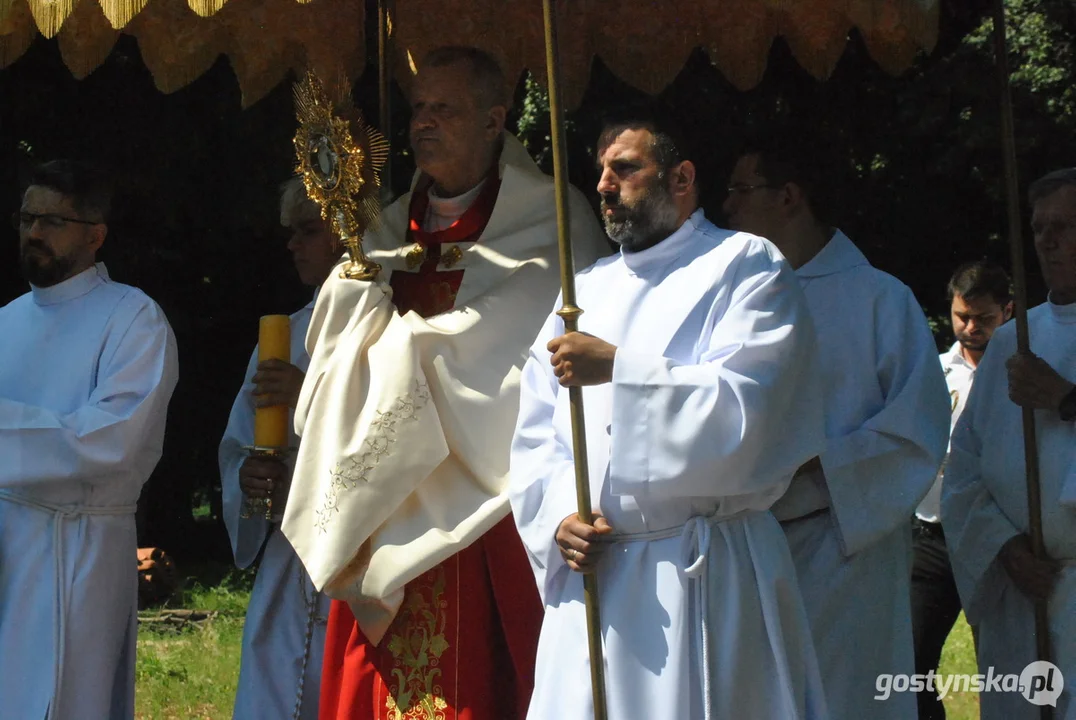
{"type": "Point", "coordinates": [274, 343]}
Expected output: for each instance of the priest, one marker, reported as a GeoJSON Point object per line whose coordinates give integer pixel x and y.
{"type": "Point", "coordinates": [87, 368]}
{"type": "Point", "coordinates": [984, 494]}
{"type": "Point", "coordinates": [695, 354]}
{"type": "Point", "coordinates": [847, 512]}
{"type": "Point", "coordinates": [284, 631]}
{"type": "Point", "coordinates": [398, 505]}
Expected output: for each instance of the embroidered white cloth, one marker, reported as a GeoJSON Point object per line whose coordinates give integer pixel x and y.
{"type": "Point", "coordinates": [712, 407]}
{"type": "Point", "coordinates": [406, 423]}
{"type": "Point", "coordinates": [87, 368]}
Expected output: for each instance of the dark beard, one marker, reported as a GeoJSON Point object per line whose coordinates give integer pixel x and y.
{"type": "Point", "coordinates": [967, 345]}
{"type": "Point", "coordinates": [644, 224]}
{"type": "Point", "coordinates": [44, 269]}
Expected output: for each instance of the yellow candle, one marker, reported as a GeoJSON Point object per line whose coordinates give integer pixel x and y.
{"type": "Point", "coordinates": [274, 343]}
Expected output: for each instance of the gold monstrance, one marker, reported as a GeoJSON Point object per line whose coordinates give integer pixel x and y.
{"type": "Point", "coordinates": [340, 158]}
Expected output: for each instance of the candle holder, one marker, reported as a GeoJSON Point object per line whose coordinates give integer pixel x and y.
{"type": "Point", "coordinates": [263, 507]}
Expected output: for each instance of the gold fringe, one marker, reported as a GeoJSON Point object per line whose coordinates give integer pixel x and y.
{"type": "Point", "coordinates": [50, 14]}
{"type": "Point", "coordinates": [86, 39]}
{"type": "Point", "coordinates": [647, 49]}
{"type": "Point", "coordinates": [206, 8]}
{"type": "Point", "coordinates": [121, 12]}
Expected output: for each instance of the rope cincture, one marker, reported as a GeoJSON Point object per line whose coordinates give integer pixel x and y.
{"type": "Point", "coordinates": [694, 545]}
{"type": "Point", "coordinates": [59, 514]}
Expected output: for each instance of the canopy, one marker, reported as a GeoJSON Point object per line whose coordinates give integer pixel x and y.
{"type": "Point", "coordinates": [646, 42]}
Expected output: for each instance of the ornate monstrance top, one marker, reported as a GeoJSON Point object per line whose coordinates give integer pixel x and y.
{"type": "Point", "coordinates": [340, 157]}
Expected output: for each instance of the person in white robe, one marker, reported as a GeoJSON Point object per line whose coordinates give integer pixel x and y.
{"type": "Point", "coordinates": [980, 300]}
{"type": "Point", "coordinates": [87, 368]}
{"type": "Point", "coordinates": [984, 496]}
{"type": "Point", "coordinates": [284, 631]}
{"type": "Point", "coordinates": [695, 357]}
{"type": "Point", "coordinates": [847, 511]}
{"type": "Point", "coordinates": [406, 415]}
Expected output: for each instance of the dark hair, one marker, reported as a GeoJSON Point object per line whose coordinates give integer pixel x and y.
{"type": "Point", "coordinates": [487, 77]}
{"type": "Point", "coordinates": [671, 146]}
{"type": "Point", "coordinates": [86, 186]}
{"type": "Point", "coordinates": [786, 156]}
{"type": "Point", "coordinates": [1050, 183]}
{"type": "Point", "coordinates": [981, 278]}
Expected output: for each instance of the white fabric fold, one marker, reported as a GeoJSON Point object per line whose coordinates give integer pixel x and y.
{"type": "Point", "coordinates": [406, 422]}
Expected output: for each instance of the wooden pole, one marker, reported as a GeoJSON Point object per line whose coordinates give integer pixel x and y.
{"type": "Point", "coordinates": [570, 313]}
{"type": "Point", "coordinates": [384, 87]}
{"type": "Point", "coordinates": [1023, 343]}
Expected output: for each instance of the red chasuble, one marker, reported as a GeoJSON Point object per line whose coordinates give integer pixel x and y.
{"type": "Point", "coordinates": [463, 645]}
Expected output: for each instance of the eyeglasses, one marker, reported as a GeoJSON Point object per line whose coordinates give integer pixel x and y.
{"type": "Point", "coordinates": [744, 188]}
{"type": "Point", "coordinates": [26, 220]}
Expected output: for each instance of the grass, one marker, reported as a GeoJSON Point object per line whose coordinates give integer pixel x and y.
{"type": "Point", "coordinates": [959, 657]}
{"type": "Point", "coordinates": [191, 674]}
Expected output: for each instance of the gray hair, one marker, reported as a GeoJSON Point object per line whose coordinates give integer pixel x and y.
{"type": "Point", "coordinates": [1050, 183]}
{"type": "Point", "coordinates": [487, 77]}
{"type": "Point", "coordinates": [292, 198]}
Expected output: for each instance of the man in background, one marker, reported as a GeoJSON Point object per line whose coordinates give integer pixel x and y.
{"type": "Point", "coordinates": [887, 420]}
{"type": "Point", "coordinates": [980, 299]}
{"type": "Point", "coordinates": [284, 631]}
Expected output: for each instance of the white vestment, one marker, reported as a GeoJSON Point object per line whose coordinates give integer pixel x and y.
{"type": "Point", "coordinates": [87, 368]}
{"type": "Point", "coordinates": [712, 406]}
{"type": "Point", "coordinates": [284, 631]}
{"type": "Point", "coordinates": [887, 423]}
{"type": "Point", "coordinates": [406, 422]}
{"type": "Point", "coordinates": [984, 504]}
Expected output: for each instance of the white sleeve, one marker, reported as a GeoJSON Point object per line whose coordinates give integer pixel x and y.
{"type": "Point", "coordinates": [741, 420]}
{"type": "Point", "coordinates": [121, 418]}
{"type": "Point", "coordinates": [878, 473]}
{"type": "Point", "coordinates": [246, 534]}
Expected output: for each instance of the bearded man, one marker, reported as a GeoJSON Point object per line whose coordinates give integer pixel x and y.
{"type": "Point", "coordinates": [695, 354]}
{"type": "Point", "coordinates": [87, 368]}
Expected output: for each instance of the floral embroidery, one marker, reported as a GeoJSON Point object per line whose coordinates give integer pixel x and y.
{"type": "Point", "coordinates": [415, 692]}
{"type": "Point", "coordinates": [352, 471]}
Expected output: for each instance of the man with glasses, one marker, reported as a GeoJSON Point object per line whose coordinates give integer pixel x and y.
{"type": "Point", "coordinates": [87, 367]}
{"type": "Point", "coordinates": [846, 514]}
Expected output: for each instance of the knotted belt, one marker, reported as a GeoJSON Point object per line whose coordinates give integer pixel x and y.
{"type": "Point", "coordinates": [694, 545]}
{"type": "Point", "coordinates": [59, 514]}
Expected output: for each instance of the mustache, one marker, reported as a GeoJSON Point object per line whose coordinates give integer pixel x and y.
{"type": "Point", "coordinates": [610, 201]}
{"type": "Point", "coordinates": [39, 246]}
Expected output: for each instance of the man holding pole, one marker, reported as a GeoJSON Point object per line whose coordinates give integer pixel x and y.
{"type": "Point", "coordinates": [984, 496]}
{"type": "Point", "coordinates": [695, 354]}
{"type": "Point", "coordinates": [398, 505]}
